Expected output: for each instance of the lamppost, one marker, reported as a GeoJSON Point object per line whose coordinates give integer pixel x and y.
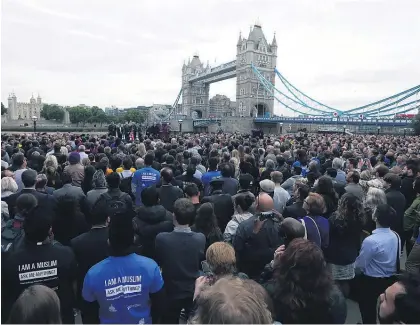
{"type": "Point", "coordinates": [405, 131]}
{"type": "Point", "coordinates": [379, 129]}
{"type": "Point", "coordinates": [34, 119]}
{"type": "Point", "coordinates": [281, 128]}
{"type": "Point", "coordinates": [344, 129]}
{"type": "Point", "coordinates": [180, 126]}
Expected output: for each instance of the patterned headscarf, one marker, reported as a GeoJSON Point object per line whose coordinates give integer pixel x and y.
{"type": "Point", "coordinates": [99, 179]}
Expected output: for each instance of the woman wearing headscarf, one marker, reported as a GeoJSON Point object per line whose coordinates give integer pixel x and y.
{"type": "Point", "coordinates": [99, 186]}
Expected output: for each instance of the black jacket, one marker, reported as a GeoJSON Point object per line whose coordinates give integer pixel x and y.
{"type": "Point", "coordinates": [148, 223]}
{"type": "Point", "coordinates": [294, 211]}
{"type": "Point", "coordinates": [407, 190]}
{"type": "Point", "coordinates": [397, 201]}
{"type": "Point", "coordinates": [223, 207]}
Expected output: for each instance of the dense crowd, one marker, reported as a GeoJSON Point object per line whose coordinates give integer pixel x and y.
{"type": "Point", "coordinates": [210, 228]}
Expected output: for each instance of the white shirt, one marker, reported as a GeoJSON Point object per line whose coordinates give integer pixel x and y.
{"type": "Point", "coordinates": [281, 196]}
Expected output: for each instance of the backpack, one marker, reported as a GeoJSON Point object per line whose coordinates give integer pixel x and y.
{"type": "Point", "coordinates": [11, 234]}
{"type": "Point", "coordinates": [115, 204]}
{"type": "Point", "coordinates": [125, 185]}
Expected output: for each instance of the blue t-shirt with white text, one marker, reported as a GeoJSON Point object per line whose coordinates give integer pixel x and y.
{"type": "Point", "coordinates": [122, 287]}
{"type": "Point", "coordinates": [143, 178]}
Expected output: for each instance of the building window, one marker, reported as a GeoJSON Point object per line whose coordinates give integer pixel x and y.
{"type": "Point", "coordinates": [242, 91]}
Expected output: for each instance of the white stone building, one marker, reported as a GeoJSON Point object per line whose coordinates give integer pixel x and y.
{"type": "Point", "coordinates": [24, 111]}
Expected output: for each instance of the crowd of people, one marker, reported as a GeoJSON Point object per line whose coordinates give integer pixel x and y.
{"type": "Point", "coordinates": [210, 228]}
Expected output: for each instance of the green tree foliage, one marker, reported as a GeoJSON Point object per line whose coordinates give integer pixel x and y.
{"type": "Point", "coordinates": [52, 112]}
{"type": "Point", "coordinates": [134, 116]}
{"type": "Point", "coordinates": [416, 124]}
{"type": "Point", "coordinates": [3, 109]}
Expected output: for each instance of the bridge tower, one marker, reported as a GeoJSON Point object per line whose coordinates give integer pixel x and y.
{"type": "Point", "coordinates": [195, 96]}
{"type": "Point", "coordinates": [251, 97]}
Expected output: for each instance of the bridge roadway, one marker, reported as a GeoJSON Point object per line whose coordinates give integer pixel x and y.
{"type": "Point", "coordinates": [219, 73]}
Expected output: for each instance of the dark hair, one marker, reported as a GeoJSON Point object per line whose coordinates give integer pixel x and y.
{"type": "Point", "coordinates": [121, 233]}
{"type": "Point", "coordinates": [225, 169]}
{"type": "Point", "coordinates": [37, 304]}
{"type": "Point", "coordinates": [384, 214]}
{"type": "Point", "coordinates": [245, 201]}
{"type": "Point", "coordinates": [393, 180]}
{"type": "Point", "coordinates": [191, 169]}
{"type": "Point", "coordinates": [150, 196]}
{"type": "Point", "coordinates": [25, 203]}
{"type": "Point", "coordinates": [205, 221]}
{"type": "Point", "coordinates": [297, 170]}
{"type": "Point", "coordinates": [349, 214]}
{"type": "Point", "coordinates": [332, 172]}
{"type": "Point", "coordinates": [113, 180]}
{"type": "Point", "coordinates": [303, 285]}
{"type": "Point", "coordinates": [382, 170]}
{"type": "Point", "coordinates": [417, 185]}
{"type": "Point", "coordinates": [29, 178]}
{"type": "Point", "coordinates": [66, 178]}
{"type": "Point", "coordinates": [303, 190]}
{"type": "Point", "coordinates": [127, 163]}
{"type": "Point", "coordinates": [167, 174]}
{"type": "Point", "coordinates": [99, 214]}
{"type": "Point", "coordinates": [37, 225]}
{"type": "Point", "coordinates": [115, 162]}
{"type": "Point", "coordinates": [407, 307]}
{"type": "Point", "coordinates": [354, 176]}
{"type": "Point", "coordinates": [18, 159]}
{"type": "Point", "coordinates": [213, 162]}
{"type": "Point", "coordinates": [191, 190]}
{"type": "Point", "coordinates": [184, 211]}
{"type": "Point", "coordinates": [148, 159]}
{"type": "Point", "coordinates": [325, 187]}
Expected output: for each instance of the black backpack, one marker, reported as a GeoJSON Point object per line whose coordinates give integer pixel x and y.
{"type": "Point", "coordinates": [125, 185]}
{"type": "Point", "coordinates": [11, 234]}
{"type": "Point", "coordinates": [116, 204]}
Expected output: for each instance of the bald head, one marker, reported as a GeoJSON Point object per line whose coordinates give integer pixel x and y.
{"type": "Point", "coordinates": [265, 202]}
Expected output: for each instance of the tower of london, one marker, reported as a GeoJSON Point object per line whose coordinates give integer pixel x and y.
{"type": "Point", "coordinates": [24, 111]}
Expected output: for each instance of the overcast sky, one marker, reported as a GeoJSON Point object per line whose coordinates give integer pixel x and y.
{"type": "Point", "coordinates": [130, 52]}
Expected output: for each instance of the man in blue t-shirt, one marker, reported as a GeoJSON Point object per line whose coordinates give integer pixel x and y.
{"type": "Point", "coordinates": [124, 283]}
{"type": "Point", "coordinates": [212, 173]}
{"type": "Point", "coordinates": [144, 177]}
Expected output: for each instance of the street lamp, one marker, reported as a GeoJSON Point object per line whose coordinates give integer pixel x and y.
{"type": "Point", "coordinates": [344, 129]}
{"type": "Point", "coordinates": [180, 126]}
{"type": "Point", "coordinates": [34, 119]}
{"type": "Point", "coordinates": [379, 129]}
{"type": "Point", "coordinates": [405, 131]}
{"type": "Point", "coordinates": [281, 128]}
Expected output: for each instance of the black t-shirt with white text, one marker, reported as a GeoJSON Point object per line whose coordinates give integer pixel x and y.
{"type": "Point", "coordinates": [49, 264]}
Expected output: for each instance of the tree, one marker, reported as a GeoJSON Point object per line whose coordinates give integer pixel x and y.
{"type": "Point", "coordinates": [52, 112]}
{"type": "Point", "coordinates": [134, 115]}
{"type": "Point", "coordinates": [3, 109]}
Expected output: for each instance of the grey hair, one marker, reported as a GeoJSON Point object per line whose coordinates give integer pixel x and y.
{"type": "Point", "coordinates": [82, 148]}
{"type": "Point", "coordinates": [51, 161]}
{"type": "Point", "coordinates": [337, 163]}
{"type": "Point", "coordinates": [139, 163]}
{"type": "Point", "coordinates": [269, 164]}
{"type": "Point", "coordinates": [374, 197]}
{"type": "Point", "coordinates": [8, 184]}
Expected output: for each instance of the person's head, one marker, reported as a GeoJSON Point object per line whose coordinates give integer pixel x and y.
{"type": "Point", "coordinates": [37, 225]}
{"type": "Point", "coordinates": [331, 172]}
{"type": "Point", "coordinates": [82, 148]}
{"type": "Point", "coordinates": [264, 202]}
{"type": "Point", "coordinates": [148, 159]}
{"type": "Point", "coordinates": [314, 204]}
{"type": "Point", "coordinates": [51, 161]}
{"type": "Point", "coordinates": [232, 300]}
{"type": "Point", "coordinates": [25, 204]}
{"type": "Point", "coordinates": [349, 210]}
{"type": "Point", "coordinates": [353, 177]}
{"type": "Point", "coordinates": [66, 178]}
{"type": "Point", "coordinates": [392, 181]}
{"type": "Point", "coordinates": [115, 162]}
{"type": "Point", "coordinates": [384, 215]}
{"type": "Point", "coordinates": [226, 170]}
{"type": "Point", "coordinates": [139, 163]}
{"type": "Point", "coordinates": [277, 177]}
{"type": "Point", "coordinates": [57, 147]}
{"type": "Point", "coordinates": [221, 258]}
{"type": "Point", "coordinates": [374, 197]}
{"type": "Point", "coordinates": [297, 170]}
{"type": "Point", "coordinates": [8, 184]}
{"type": "Point", "coordinates": [411, 170]}
{"type": "Point", "coordinates": [381, 171]}
{"type": "Point", "coordinates": [205, 221]}
{"type": "Point", "coordinates": [41, 181]}
{"type": "Point", "coordinates": [267, 186]}
{"type": "Point", "coordinates": [243, 202]}
{"type": "Point", "coordinates": [300, 191]}
{"type": "Point", "coordinates": [337, 163]}
{"type": "Point", "coordinates": [150, 196]}
{"type": "Point", "coordinates": [191, 191]}
{"type": "Point", "coordinates": [113, 180]}
{"type": "Point", "coordinates": [292, 229]}
{"type": "Point", "coordinates": [74, 158]}
{"type": "Point", "coordinates": [99, 179]}
{"type": "Point", "coordinates": [399, 304]}
{"type": "Point", "coordinates": [127, 163]}
{"type": "Point", "coordinates": [121, 234]}
{"type": "Point", "coordinates": [167, 175]}
{"type": "Point", "coordinates": [184, 212]}
{"type": "Point", "coordinates": [303, 279]}
{"type": "Point", "coordinates": [269, 164]}
{"type": "Point", "coordinates": [37, 304]}
{"type": "Point", "coordinates": [99, 215]}
{"type": "Point", "coordinates": [246, 181]}
{"type": "Point", "coordinates": [29, 178]}
{"type": "Point", "coordinates": [213, 162]}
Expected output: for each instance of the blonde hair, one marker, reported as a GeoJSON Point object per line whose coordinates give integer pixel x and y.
{"type": "Point", "coordinates": [51, 161]}
{"type": "Point", "coordinates": [141, 150]}
{"type": "Point", "coordinates": [64, 151]}
{"type": "Point", "coordinates": [235, 154]}
{"type": "Point", "coordinates": [8, 184]}
{"type": "Point", "coordinates": [221, 258]}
